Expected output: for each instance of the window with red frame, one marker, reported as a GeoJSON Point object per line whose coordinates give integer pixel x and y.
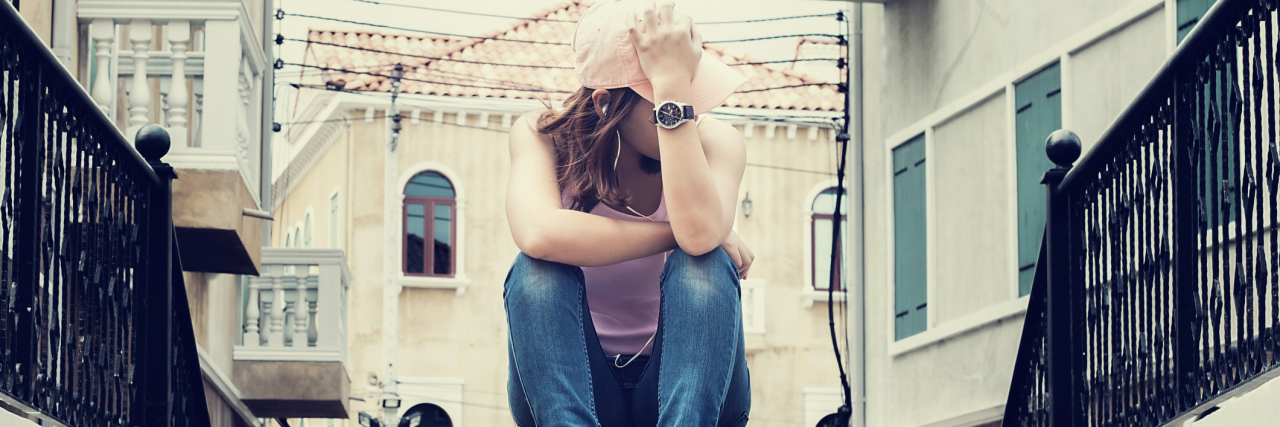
{"type": "Point", "coordinates": [822, 222]}
{"type": "Point", "coordinates": [430, 243]}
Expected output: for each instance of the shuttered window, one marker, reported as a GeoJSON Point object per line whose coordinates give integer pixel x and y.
{"type": "Point", "coordinates": [910, 280]}
{"type": "Point", "coordinates": [1189, 13]}
{"type": "Point", "coordinates": [1038, 103]}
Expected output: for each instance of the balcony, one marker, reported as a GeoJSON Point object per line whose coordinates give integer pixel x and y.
{"type": "Point", "coordinates": [195, 68]}
{"type": "Point", "coordinates": [291, 361]}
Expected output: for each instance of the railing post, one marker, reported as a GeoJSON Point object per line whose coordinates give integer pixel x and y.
{"type": "Point", "coordinates": [1185, 230]}
{"type": "Point", "coordinates": [1063, 148]}
{"type": "Point", "coordinates": [155, 329]}
{"type": "Point", "coordinates": [25, 205]}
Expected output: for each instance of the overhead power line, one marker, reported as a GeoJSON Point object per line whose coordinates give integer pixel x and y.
{"type": "Point", "coordinates": [433, 58]}
{"type": "Point", "coordinates": [553, 67]}
{"type": "Point", "coordinates": [783, 87]}
{"type": "Point", "coordinates": [569, 21]}
{"type": "Point", "coordinates": [408, 79]}
{"type": "Point", "coordinates": [409, 6]}
{"type": "Point", "coordinates": [412, 30]}
{"type": "Point", "coordinates": [347, 21]}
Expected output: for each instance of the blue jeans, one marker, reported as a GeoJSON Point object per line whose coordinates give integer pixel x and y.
{"type": "Point", "coordinates": [697, 373]}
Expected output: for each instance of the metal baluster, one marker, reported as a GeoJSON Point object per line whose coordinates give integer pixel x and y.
{"type": "Point", "coordinates": [1273, 174]}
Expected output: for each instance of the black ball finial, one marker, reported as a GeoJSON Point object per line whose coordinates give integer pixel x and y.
{"type": "Point", "coordinates": [152, 142]}
{"type": "Point", "coordinates": [1063, 147]}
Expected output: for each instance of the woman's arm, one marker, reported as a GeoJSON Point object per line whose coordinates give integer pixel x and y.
{"type": "Point", "coordinates": [543, 229]}
{"type": "Point", "coordinates": [701, 166]}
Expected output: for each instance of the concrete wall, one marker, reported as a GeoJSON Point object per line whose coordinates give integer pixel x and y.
{"type": "Point", "coordinates": [945, 69]}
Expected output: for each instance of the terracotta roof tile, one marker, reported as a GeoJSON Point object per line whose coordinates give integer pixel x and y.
{"type": "Point", "coordinates": [451, 78]}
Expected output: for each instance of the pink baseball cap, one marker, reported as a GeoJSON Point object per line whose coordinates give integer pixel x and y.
{"type": "Point", "coordinates": [606, 59]}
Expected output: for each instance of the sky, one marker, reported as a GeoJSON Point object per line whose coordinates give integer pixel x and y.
{"type": "Point", "coordinates": [700, 10]}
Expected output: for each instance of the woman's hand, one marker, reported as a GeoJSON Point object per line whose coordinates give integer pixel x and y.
{"type": "Point", "coordinates": [739, 253]}
{"type": "Point", "coordinates": [668, 45]}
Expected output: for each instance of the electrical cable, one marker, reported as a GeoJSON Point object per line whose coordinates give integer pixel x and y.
{"type": "Point", "coordinates": [554, 67]}
{"type": "Point", "coordinates": [782, 87]}
{"type": "Point", "coordinates": [428, 81]}
{"type": "Point", "coordinates": [433, 58]}
{"type": "Point", "coordinates": [389, 27]}
{"type": "Point", "coordinates": [489, 15]}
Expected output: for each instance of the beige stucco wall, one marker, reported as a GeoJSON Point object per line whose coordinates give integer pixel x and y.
{"type": "Point", "coordinates": [942, 51]}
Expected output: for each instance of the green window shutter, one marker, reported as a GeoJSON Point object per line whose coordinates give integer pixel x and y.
{"type": "Point", "coordinates": [909, 241]}
{"type": "Point", "coordinates": [1038, 101]}
{"type": "Point", "coordinates": [1189, 13]}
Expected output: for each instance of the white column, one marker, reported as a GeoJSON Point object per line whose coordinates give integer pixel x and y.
{"type": "Point", "coordinates": [251, 314]}
{"type": "Point", "coordinates": [103, 33]}
{"type": "Point", "coordinates": [300, 307]}
{"type": "Point", "coordinates": [139, 94]}
{"type": "Point", "coordinates": [221, 103]}
{"type": "Point", "coordinates": [179, 37]}
{"type": "Point", "coordinates": [276, 338]}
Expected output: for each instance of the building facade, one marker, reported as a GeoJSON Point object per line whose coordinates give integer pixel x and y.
{"type": "Point", "coordinates": [954, 207]}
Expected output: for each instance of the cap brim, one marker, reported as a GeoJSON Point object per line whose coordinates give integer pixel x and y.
{"type": "Point", "coordinates": [712, 84]}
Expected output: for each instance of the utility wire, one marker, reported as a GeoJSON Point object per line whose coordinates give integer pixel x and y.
{"type": "Point", "coordinates": [347, 21]}
{"type": "Point", "coordinates": [343, 70]}
{"type": "Point", "coordinates": [782, 87]}
{"type": "Point", "coordinates": [429, 81]}
{"type": "Point", "coordinates": [574, 22]}
{"type": "Point", "coordinates": [433, 58]}
{"type": "Point", "coordinates": [464, 12]}
{"type": "Point", "coordinates": [554, 67]}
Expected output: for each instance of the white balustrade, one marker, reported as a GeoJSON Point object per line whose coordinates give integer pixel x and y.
{"type": "Point", "coordinates": [103, 33]}
{"type": "Point", "coordinates": [140, 33]}
{"type": "Point", "coordinates": [179, 34]}
{"type": "Point", "coordinates": [304, 291]}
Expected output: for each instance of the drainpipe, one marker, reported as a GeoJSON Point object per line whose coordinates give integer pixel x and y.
{"type": "Point", "coordinates": [855, 299]}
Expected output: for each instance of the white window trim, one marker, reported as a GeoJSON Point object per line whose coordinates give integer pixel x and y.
{"type": "Point", "coordinates": [935, 335]}
{"type": "Point", "coordinates": [753, 294]}
{"type": "Point", "coordinates": [931, 229]}
{"type": "Point", "coordinates": [335, 232]}
{"type": "Point", "coordinates": [445, 392]}
{"type": "Point", "coordinates": [808, 295]}
{"type": "Point", "coordinates": [459, 282]}
{"type": "Point", "coordinates": [308, 228]}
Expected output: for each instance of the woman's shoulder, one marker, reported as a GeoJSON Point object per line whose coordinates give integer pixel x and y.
{"type": "Point", "coordinates": [526, 127]}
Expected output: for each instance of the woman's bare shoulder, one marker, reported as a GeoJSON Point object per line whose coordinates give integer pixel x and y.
{"type": "Point", "coordinates": [525, 129]}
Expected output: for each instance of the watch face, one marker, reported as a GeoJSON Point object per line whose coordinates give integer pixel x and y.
{"type": "Point", "coordinates": [669, 114]}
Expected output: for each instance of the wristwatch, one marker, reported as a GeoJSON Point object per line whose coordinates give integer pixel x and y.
{"type": "Point", "coordinates": [671, 114]}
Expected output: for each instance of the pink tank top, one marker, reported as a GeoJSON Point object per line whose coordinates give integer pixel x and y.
{"type": "Point", "coordinates": [624, 297]}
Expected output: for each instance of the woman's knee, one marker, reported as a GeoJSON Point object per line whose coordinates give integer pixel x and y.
{"type": "Point", "coordinates": [701, 277]}
{"type": "Point", "coordinates": [535, 281]}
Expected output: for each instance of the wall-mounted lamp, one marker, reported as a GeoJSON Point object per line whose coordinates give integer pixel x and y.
{"type": "Point", "coordinates": [746, 205]}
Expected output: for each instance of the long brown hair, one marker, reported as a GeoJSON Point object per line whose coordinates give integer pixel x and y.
{"type": "Point", "coordinates": [585, 145]}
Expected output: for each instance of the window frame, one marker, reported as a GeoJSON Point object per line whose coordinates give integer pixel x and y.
{"type": "Point", "coordinates": [813, 246]}
{"type": "Point", "coordinates": [429, 205]}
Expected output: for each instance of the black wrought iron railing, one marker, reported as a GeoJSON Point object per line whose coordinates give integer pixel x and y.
{"type": "Point", "coordinates": [1161, 292]}
{"type": "Point", "coordinates": [86, 238]}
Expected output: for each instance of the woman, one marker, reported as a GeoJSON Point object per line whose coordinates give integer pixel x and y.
{"type": "Point", "coordinates": [622, 308]}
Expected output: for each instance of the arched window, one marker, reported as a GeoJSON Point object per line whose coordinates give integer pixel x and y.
{"type": "Point", "coordinates": [297, 236]}
{"type": "Point", "coordinates": [824, 209]}
{"type": "Point", "coordinates": [429, 192]}
{"type": "Point", "coordinates": [306, 239]}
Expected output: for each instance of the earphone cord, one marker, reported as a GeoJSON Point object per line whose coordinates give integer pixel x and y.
{"type": "Point", "coordinates": [615, 179]}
